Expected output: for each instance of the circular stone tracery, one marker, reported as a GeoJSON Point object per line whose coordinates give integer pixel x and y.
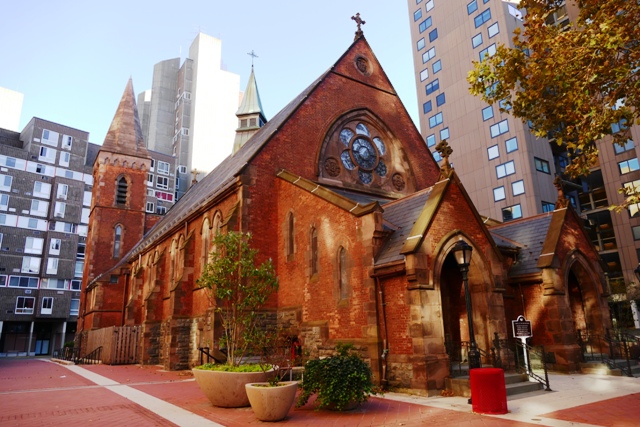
{"type": "Point", "coordinates": [363, 153]}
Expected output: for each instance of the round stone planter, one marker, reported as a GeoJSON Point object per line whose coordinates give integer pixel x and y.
{"type": "Point", "coordinates": [272, 403]}
{"type": "Point", "coordinates": [227, 389]}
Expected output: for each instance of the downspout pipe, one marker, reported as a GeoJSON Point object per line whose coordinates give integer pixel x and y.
{"type": "Point", "coordinates": [384, 381]}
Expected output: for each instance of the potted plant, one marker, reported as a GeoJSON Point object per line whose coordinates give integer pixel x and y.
{"type": "Point", "coordinates": [341, 382]}
{"type": "Point", "coordinates": [239, 289]}
{"type": "Point", "coordinates": [272, 400]}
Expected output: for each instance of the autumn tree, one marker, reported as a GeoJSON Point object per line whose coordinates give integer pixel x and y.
{"type": "Point", "coordinates": [576, 84]}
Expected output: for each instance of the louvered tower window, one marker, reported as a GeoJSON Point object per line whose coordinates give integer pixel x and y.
{"type": "Point", "coordinates": [121, 193]}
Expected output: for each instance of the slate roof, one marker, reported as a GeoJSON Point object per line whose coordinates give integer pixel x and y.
{"type": "Point", "coordinates": [401, 216]}
{"type": "Point", "coordinates": [361, 198]}
{"type": "Point", "coordinates": [530, 234]}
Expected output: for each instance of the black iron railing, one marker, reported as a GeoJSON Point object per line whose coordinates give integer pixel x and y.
{"type": "Point", "coordinates": [536, 358]}
{"type": "Point", "coordinates": [508, 354]}
{"type": "Point", "coordinates": [207, 357]}
{"type": "Point", "coordinates": [72, 354]}
{"type": "Point", "coordinates": [614, 349]}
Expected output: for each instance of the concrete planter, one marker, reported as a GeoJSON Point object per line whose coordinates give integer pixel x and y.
{"type": "Point", "coordinates": [227, 389]}
{"type": "Point", "coordinates": [272, 403]}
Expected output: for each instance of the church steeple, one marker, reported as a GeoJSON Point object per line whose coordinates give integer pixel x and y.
{"type": "Point", "coordinates": [125, 133]}
{"type": "Point", "coordinates": [250, 114]}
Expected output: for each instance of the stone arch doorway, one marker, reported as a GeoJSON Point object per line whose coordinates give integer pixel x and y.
{"type": "Point", "coordinates": [583, 297]}
{"type": "Point", "coordinates": [454, 312]}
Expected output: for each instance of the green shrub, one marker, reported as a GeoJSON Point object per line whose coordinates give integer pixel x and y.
{"type": "Point", "coordinates": [248, 367]}
{"type": "Point", "coordinates": [339, 381]}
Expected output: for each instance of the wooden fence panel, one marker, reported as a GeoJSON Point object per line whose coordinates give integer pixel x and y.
{"type": "Point", "coordinates": [119, 344]}
{"type": "Point", "coordinates": [125, 345]}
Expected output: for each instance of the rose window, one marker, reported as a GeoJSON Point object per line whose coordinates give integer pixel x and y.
{"type": "Point", "coordinates": [363, 153]}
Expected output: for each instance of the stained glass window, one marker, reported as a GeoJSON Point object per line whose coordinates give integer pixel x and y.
{"type": "Point", "coordinates": [363, 152]}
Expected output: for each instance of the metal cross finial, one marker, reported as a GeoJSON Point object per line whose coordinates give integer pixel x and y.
{"type": "Point", "coordinates": [253, 55]}
{"type": "Point", "coordinates": [445, 151]}
{"type": "Point", "coordinates": [360, 22]}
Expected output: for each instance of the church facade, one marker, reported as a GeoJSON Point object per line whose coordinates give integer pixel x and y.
{"type": "Point", "coordinates": [341, 192]}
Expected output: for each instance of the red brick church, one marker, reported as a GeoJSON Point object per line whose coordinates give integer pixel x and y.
{"type": "Point", "coordinates": [341, 192]}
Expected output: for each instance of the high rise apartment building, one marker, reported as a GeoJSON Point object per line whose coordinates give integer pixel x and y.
{"type": "Point", "coordinates": [508, 172]}
{"type": "Point", "coordinates": [10, 109]}
{"type": "Point", "coordinates": [46, 181]}
{"type": "Point", "coordinates": [190, 110]}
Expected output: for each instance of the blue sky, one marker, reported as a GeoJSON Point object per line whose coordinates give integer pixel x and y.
{"type": "Point", "coordinates": [72, 59]}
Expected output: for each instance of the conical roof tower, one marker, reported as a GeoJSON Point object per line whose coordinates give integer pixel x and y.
{"type": "Point", "coordinates": [125, 133]}
{"type": "Point", "coordinates": [250, 114]}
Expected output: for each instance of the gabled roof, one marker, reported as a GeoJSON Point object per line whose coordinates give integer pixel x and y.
{"type": "Point", "coordinates": [413, 216]}
{"type": "Point", "coordinates": [530, 234]}
{"type": "Point", "coordinates": [125, 133]}
{"type": "Point", "coordinates": [401, 216]}
{"type": "Point", "coordinates": [223, 176]}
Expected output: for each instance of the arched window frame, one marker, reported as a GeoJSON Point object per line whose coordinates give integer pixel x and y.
{"type": "Point", "coordinates": [290, 233]}
{"type": "Point", "coordinates": [205, 235]}
{"type": "Point", "coordinates": [343, 280]}
{"type": "Point", "coordinates": [118, 231]}
{"type": "Point", "coordinates": [216, 226]}
{"type": "Point", "coordinates": [313, 251]}
{"type": "Point", "coordinates": [122, 190]}
{"type": "Point", "coordinates": [180, 257]}
{"type": "Point", "coordinates": [172, 259]}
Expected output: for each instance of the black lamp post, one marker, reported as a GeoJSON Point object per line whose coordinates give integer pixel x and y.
{"type": "Point", "coordinates": [462, 252]}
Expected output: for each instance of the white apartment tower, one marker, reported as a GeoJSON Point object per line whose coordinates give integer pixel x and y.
{"type": "Point", "coordinates": [507, 171]}
{"type": "Point", "coordinates": [190, 110]}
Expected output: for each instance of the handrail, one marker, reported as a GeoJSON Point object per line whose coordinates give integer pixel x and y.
{"type": "Point", "coordinates": [612, 349]}
{"type": "Point", "coordinates": [92, 358]}
{"type": "Point", "coordinates": [204, 351]}
{"type": "Point", "coordinates": [527, 369]}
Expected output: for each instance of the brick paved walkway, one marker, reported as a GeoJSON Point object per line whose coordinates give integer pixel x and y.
{"type": "Point", "coordinates": [41, 393]}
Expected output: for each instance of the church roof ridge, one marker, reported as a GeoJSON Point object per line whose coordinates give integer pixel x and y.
{"type": "Point", "coordinates": [125, 133]}
{"type": "Point", "coordinates": [220, 178]}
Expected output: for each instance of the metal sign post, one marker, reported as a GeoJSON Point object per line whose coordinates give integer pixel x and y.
{"type": "Point", "coordinates": [522, 330]}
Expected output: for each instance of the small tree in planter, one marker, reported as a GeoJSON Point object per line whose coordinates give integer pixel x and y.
{"type": "Point", "coordinates": [240, 288]}
{"type": "Point", "coordinates": [341, 382]}
{"type": "Point", "coordinates": [272, 400]}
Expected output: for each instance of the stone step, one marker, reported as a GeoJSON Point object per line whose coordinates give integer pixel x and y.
{"type": "Point", "coordinates": [600, 368]}
{"type": "Point", "coordinates": [514, 384]}
{"type": "Point", "coordinates": [523, 387]}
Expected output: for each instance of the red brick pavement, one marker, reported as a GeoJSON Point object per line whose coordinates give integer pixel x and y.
{"type": "Point", "coordinates": [37, 393]}
{"type": "Point", "coordinates": [618, 412]}
{"type": "Point", "coordinates": [376, 412]}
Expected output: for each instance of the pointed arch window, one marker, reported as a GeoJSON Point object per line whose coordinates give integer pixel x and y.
{"type": "Point", "coordinates": [205, 235]}
{"type": "Point", "coordinates": [314, 251]}
{"type": "Point", "coordinates": [172, 259]}
{"type": "Point", "coordinates": [180, 259]}
{"type": "Point", "coordinates": [117, 241]}
{"type": "Point", "coordinates": [215, 229]}
{"type": "Point", "coordinates": [122, 188]}
{"type": "Point", "coordinates": [290, 235]}
{"type": "Point", "coordinates": [342, 273]}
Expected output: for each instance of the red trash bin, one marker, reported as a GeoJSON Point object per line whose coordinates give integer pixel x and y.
{"type": "Point", "coordinates": [488, 391]}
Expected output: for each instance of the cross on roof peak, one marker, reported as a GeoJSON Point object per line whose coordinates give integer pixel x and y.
{"type": "Point", "coordinates": [359, 22]}
{"type": "Point", "coordinates": [253, 55]}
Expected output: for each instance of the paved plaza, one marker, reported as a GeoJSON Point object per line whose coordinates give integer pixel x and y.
{"type": "Point", "coordinates": [39, 392]}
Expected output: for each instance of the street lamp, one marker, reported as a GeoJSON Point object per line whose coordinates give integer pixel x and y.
{"type": "Point", "coordinates": [462, 253]}
{"type": "Point", "coordinates": [637, 272]}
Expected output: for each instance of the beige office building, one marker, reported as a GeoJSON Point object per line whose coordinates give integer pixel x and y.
{"type": "Point", "coordinates": [507, 171]}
